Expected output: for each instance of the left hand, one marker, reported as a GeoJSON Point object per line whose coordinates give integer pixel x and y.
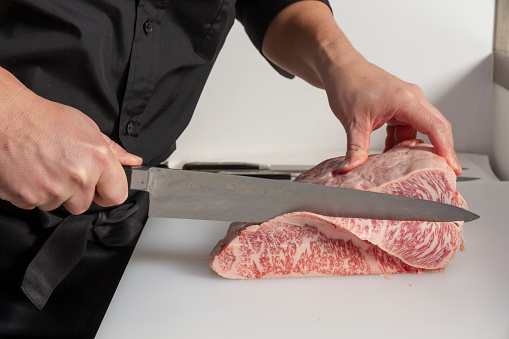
{"type": "Point", "coordinates": [305, 40]}
{"type": "Point", "coordinates": [364, 97]}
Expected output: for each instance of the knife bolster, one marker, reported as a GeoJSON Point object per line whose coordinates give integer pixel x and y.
{"type": "Point", "coordinates": [137, 178]}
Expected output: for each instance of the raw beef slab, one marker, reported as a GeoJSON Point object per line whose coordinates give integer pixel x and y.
{"type": "Point", "coordinates": [303, 244]}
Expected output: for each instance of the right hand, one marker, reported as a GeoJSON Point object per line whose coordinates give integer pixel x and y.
{"type": "Point", "coordinates": [52, 154]}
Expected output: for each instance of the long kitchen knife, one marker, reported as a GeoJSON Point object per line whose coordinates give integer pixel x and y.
{"type": "Point", "coordinates": [211, 196]}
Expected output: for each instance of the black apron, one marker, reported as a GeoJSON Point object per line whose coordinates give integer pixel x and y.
{"type": "Point", "coordinates": [58, 272]}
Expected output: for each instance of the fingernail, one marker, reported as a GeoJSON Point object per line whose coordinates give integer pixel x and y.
{"type": "Point", "coordinates": [457, 164]}
{"type": "Point", "coordinates": [344, 165]}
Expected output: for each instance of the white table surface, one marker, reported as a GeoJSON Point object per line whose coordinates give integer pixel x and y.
{"type": "Point", "coordinates": [169, 291]}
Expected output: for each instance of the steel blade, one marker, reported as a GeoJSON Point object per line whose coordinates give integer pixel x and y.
{"type": "Point", "coordinates": [211, 196]}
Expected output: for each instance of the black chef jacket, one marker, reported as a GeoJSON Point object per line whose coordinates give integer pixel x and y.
{"type": "Point", "coordinates": [137, 68]}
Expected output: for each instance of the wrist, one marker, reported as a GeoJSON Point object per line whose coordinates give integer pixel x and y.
{"type": "Point", "coordinates": [334, 55]}
{"type": "Point", "coordinates": [11, 88]}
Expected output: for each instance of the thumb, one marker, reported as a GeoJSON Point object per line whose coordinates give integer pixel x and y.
{"type": "Point", "coordinates": [125, 158]}
{"type": "Point", "coordinates": [357, 149]}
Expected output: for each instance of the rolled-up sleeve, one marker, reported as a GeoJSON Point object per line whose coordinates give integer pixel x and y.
{"type": "Point", "coordinates": [256, 16]}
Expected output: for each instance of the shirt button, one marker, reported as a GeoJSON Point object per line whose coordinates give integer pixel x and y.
{"type": "Point", "coordinates": [147, 27]}
{"type": "Point", "coordinates": [129, 128]}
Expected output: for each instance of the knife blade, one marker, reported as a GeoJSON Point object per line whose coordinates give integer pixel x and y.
{"type": "Point", "coordinates": [211, 196]}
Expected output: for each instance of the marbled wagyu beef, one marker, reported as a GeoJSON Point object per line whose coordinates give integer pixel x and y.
{"type": "Point", "coordinates": [304, 244]}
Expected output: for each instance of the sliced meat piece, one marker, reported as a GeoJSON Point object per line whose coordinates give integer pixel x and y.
{"type": "Point", "coordinates": [305, 244]}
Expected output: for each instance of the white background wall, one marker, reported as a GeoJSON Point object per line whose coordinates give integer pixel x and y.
{"type": "Point", "coordinates": [444, 46]}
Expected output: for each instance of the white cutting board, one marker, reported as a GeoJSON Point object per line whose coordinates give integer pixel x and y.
{"type": "Point", "coordinates": [168, 290]}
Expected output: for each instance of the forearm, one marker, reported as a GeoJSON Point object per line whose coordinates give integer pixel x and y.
{"type": "Point", "coordinates": [305, 40]}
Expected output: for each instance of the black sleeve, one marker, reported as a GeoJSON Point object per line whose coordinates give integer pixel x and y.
{"type": "Point", "coordinates": [256, 16]}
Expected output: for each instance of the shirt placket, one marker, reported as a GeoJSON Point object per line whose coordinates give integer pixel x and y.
{"type": "Point", "coordinates": [141, 77]}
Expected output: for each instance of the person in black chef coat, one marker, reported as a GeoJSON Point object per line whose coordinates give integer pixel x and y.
{"type": "Point", "coordinates": [87, 86]}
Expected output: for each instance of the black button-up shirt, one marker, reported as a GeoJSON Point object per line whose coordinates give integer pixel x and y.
{"type": "Point", "coordinates": [136, 67]}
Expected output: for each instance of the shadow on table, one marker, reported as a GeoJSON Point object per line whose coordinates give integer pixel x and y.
{"type": "Point", "coordinates": [191, 262]}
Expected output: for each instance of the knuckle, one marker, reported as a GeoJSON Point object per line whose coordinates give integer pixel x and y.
{"type": "Point", "coordinates": [102, 154]}
{"type": "Point", "coordinates": [407, 96]}
{"type": "Point", "coordinates": [448, 125]}
{"type": "Point", "coordinates": [55, 192]}
{"type": "Point", "coordinates": [79, 177]}
{"type": "Point", "coordinates": [28, 199]}
{"type": "Point", "coordinates": [442, 125]}
{"type": "Point", "coordinates": [354, 148]}
{"type": "Point", "coordinates": [5, 195]}
{"type": "Point", "coordinates": [114, 193]}
{"type": "Point", "coordinates": [406, 93]}
{"type": "Point", "coordinates": [99, 157]}
{"type": "Point", "coordinates": [415, 88]}
{"type": "Point", "coordinates": [21, 197]}
{"type": "Point", "coordinates": [24, 206]}
{"type": "Point", "coordinates": [79, 204]}
{"type": "Point", "coordinates": [77, 209]}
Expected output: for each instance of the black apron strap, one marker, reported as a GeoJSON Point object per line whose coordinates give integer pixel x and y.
{"type": "Point", "coordinates": [66, 245]}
